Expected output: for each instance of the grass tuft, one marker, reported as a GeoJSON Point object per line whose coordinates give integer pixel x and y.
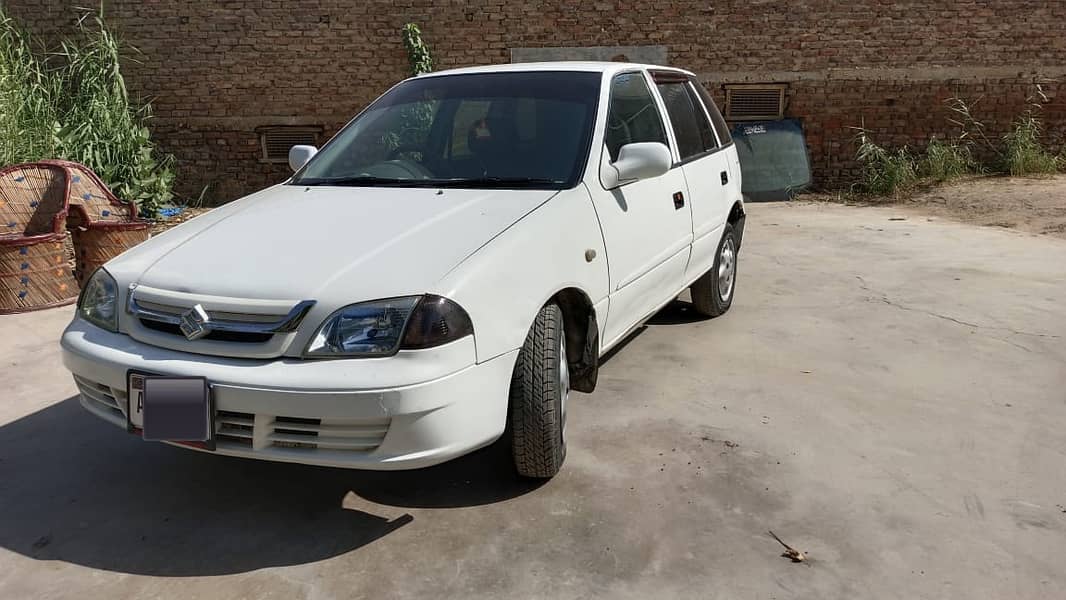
{"type": "Point", "coordinates": [884, 172]}
{"type": "Point", "coordinates": [944, 161]}
{"type": "Point", "coordinates": [1023, 152]}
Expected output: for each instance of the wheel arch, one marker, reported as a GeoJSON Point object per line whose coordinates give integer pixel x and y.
{"type": "Point", "coordinates": [736, 218]}
{"type": "Point", "coordinates": [582, 337]}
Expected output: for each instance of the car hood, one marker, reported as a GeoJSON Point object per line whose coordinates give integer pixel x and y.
{"type": "Point", "coordinates": [332, 244]}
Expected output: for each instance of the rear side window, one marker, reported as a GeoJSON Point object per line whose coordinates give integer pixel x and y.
{"type": "Point", "coordinates": [633, 116]}
{"type": "Point", "coordinates": [690, 124]}
{"type": "Point", "coordinates": [720, 125]}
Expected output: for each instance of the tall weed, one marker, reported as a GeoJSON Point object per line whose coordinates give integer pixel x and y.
{"type": "Point", "coordinates": [944, 161]}
{"type": "Point", "coordinates": [73, 104]}
{"type": "Point", "coordinates": [884, 172]}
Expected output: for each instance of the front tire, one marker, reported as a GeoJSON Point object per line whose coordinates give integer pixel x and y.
{"type": "Point", "coordinates": [712, 294]}
{"type": "Point", "coordinates": [540, 387]}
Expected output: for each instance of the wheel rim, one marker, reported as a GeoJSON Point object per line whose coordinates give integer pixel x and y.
{"type": "Point", "coordinates": [727, 268]}
{"type": "Point", "coordinates": [564, 383]}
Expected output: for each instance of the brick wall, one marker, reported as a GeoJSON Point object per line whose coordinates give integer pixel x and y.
{"type": "Point", "coordinates": [218, 70]}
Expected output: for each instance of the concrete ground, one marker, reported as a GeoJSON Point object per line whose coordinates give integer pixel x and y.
{"type": "Point", "coordinates": [887, 395]}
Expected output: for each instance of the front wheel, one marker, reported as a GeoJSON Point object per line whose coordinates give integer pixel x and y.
{"type": "Point", "coordinates": [712, 294]}
{"type": "Point", "coordinates": [540, 387]}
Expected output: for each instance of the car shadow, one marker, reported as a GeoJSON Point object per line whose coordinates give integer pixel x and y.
{"type": "Point", "coordinates": [678, 312]}
{"type": "Point", "coordinates": [78, 490]}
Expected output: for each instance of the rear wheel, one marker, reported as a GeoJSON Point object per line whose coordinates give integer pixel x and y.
{"type": "Point", "coordinates": [540, 387]}
{"type": "Point", "coordinates": [712, 294]}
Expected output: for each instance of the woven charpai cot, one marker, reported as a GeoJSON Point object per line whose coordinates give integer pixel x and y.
{"type": "Point", "coordinates": [33, 200]}
{"type": "Point", "coordinates": [103, 226]}
{"type": "Point", "coordinates": [97, 243]}
{"type": "Point", "coordinates": [91, 201]}
{"type": "Point", "coordinates": [34, 271]}
{"type": "Point", "coordinates": [39, 202]}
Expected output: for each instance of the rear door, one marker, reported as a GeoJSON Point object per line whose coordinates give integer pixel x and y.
{"type": "Point", "coordinates": [647, 232]}
{"type": "Point", "coordinates": [705, 166]}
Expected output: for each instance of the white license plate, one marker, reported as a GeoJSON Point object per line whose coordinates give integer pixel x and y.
{"type": "Point", "coordinates": [176, 409]}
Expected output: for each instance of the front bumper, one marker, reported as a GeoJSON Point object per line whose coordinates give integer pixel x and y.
{"type": "Point", "coordinates": [412, 410]}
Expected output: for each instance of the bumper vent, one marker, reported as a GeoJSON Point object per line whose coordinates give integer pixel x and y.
{"type": "Point", "coordinates": [102, 399]}
{"type": "Point", "coordinates": [257, 432]}
{"type": "Point", "coordinates": [299, 433]}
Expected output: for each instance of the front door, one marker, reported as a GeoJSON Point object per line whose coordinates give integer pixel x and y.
{"type": "Point", "coordinates": [705, 165]}
{"type": "Point", "coordinates": [647, 226]}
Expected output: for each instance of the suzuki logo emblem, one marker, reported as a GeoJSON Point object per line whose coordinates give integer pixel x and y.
{"type": "Point", "coordinates": [195, 323]}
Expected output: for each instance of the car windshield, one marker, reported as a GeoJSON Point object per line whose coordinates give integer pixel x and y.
{"type": "Point", "coordinates": [506, 130]}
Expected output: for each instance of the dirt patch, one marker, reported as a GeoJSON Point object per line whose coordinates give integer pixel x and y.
{"type": "Point", "coordinates": [1035, 205]}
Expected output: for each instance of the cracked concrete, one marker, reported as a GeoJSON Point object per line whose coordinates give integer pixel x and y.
{"type": "Point", "coordinates": [887, 396]}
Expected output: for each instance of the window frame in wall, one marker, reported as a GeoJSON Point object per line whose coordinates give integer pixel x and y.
{"type": "Point", "coordinates": [312, 137]}
{"type": "Point", "coordinates": [766, 89]}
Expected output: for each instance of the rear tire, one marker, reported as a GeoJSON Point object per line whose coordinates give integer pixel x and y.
{"type": "Point", "coordinates": [540, 387]}
{"type": "Point", "coordinates": [712, 294]}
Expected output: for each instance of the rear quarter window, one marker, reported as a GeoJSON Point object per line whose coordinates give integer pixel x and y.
{"type": "Point", "coordinates": [688, 119]}
{"type": "Point", "coordinates": [720, 126]}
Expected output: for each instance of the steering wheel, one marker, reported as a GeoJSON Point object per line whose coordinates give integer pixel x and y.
{"type": "Point", "coordinates": [403, 149]}
{"type": "Point", "coordinates": [397, 168]}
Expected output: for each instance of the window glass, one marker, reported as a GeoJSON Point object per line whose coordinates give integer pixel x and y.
{"type": "Point", "coordinates": [691, 128]}
{"type": "Point", "coordinates": [633, 116]}
{"type": "Point", "coordinates": [710, 142]}
{"type": "Point", "coordinates": [507, 130]}
{"type": "Point", "coordinates": [716, 116]}
{"type": "Point", "coordinates": [469, 113]}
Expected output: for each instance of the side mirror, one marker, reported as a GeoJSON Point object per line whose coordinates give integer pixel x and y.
{"type": "Point", "coordinates": [640, 160]}
{"type": "Point", "coordinates": [299, 155]}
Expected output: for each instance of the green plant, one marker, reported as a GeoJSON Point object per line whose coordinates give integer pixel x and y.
{"type": "Point", "coordinates": [102, 128]}
{"type": "Point", "coordinates": [1024, 154]}
{"type": "Point", "coordinates": [28, 118]}
{"type": "Point", "coordinates": [417, 50]}
{"type": "Point", "coordinates": [972, 129]}
{"type": "Point", "coordinates": [944, 161]}
{"type": "Point", "coordinates": [884, 172]}
{"type": "Point", "coordinates": [73, 104]}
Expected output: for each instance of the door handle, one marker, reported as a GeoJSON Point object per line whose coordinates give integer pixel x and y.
{"type": "Point", "coordinates": [679, 200]}
{"type": "Point", "coordinates": [725, 177]}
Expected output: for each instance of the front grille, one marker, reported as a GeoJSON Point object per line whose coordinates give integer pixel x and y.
{"type": "Point", "coordinates": [221, 336]}
{"type": "Point", "coordinates": [227, 327]}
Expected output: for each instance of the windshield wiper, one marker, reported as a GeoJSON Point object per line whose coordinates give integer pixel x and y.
{"type": "Point", "coordinates": [474, 182]}
{"type": "Point", "coordinates": [498, 181]}
{"type": "Point", "coordinates": [361, 180]}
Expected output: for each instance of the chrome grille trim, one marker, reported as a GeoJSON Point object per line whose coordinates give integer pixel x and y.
{"type": "Point", "coordinates": [222, 321]}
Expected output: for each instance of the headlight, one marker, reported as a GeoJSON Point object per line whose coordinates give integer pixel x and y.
{"type": "Point", "coordinates": [383, 327]}
{"type": "Point", "coordinates": [97, 303]}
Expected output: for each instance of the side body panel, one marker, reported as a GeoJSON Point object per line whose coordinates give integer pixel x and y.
{"type": "Point", "coordinates": [504, 284]}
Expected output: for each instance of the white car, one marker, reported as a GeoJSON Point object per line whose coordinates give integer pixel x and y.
{"type": "Point", "coordinates": [442, 273]}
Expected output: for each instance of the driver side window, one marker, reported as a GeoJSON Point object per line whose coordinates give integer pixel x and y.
{"type": "Point", "coordinates": [633, 116]}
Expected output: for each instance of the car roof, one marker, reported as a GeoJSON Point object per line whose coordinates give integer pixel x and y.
{"type": "Point", "coordinates": [595, 67]}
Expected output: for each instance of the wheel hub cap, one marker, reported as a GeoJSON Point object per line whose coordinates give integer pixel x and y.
{"type": "Point", "coordinates": [727, 264]}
